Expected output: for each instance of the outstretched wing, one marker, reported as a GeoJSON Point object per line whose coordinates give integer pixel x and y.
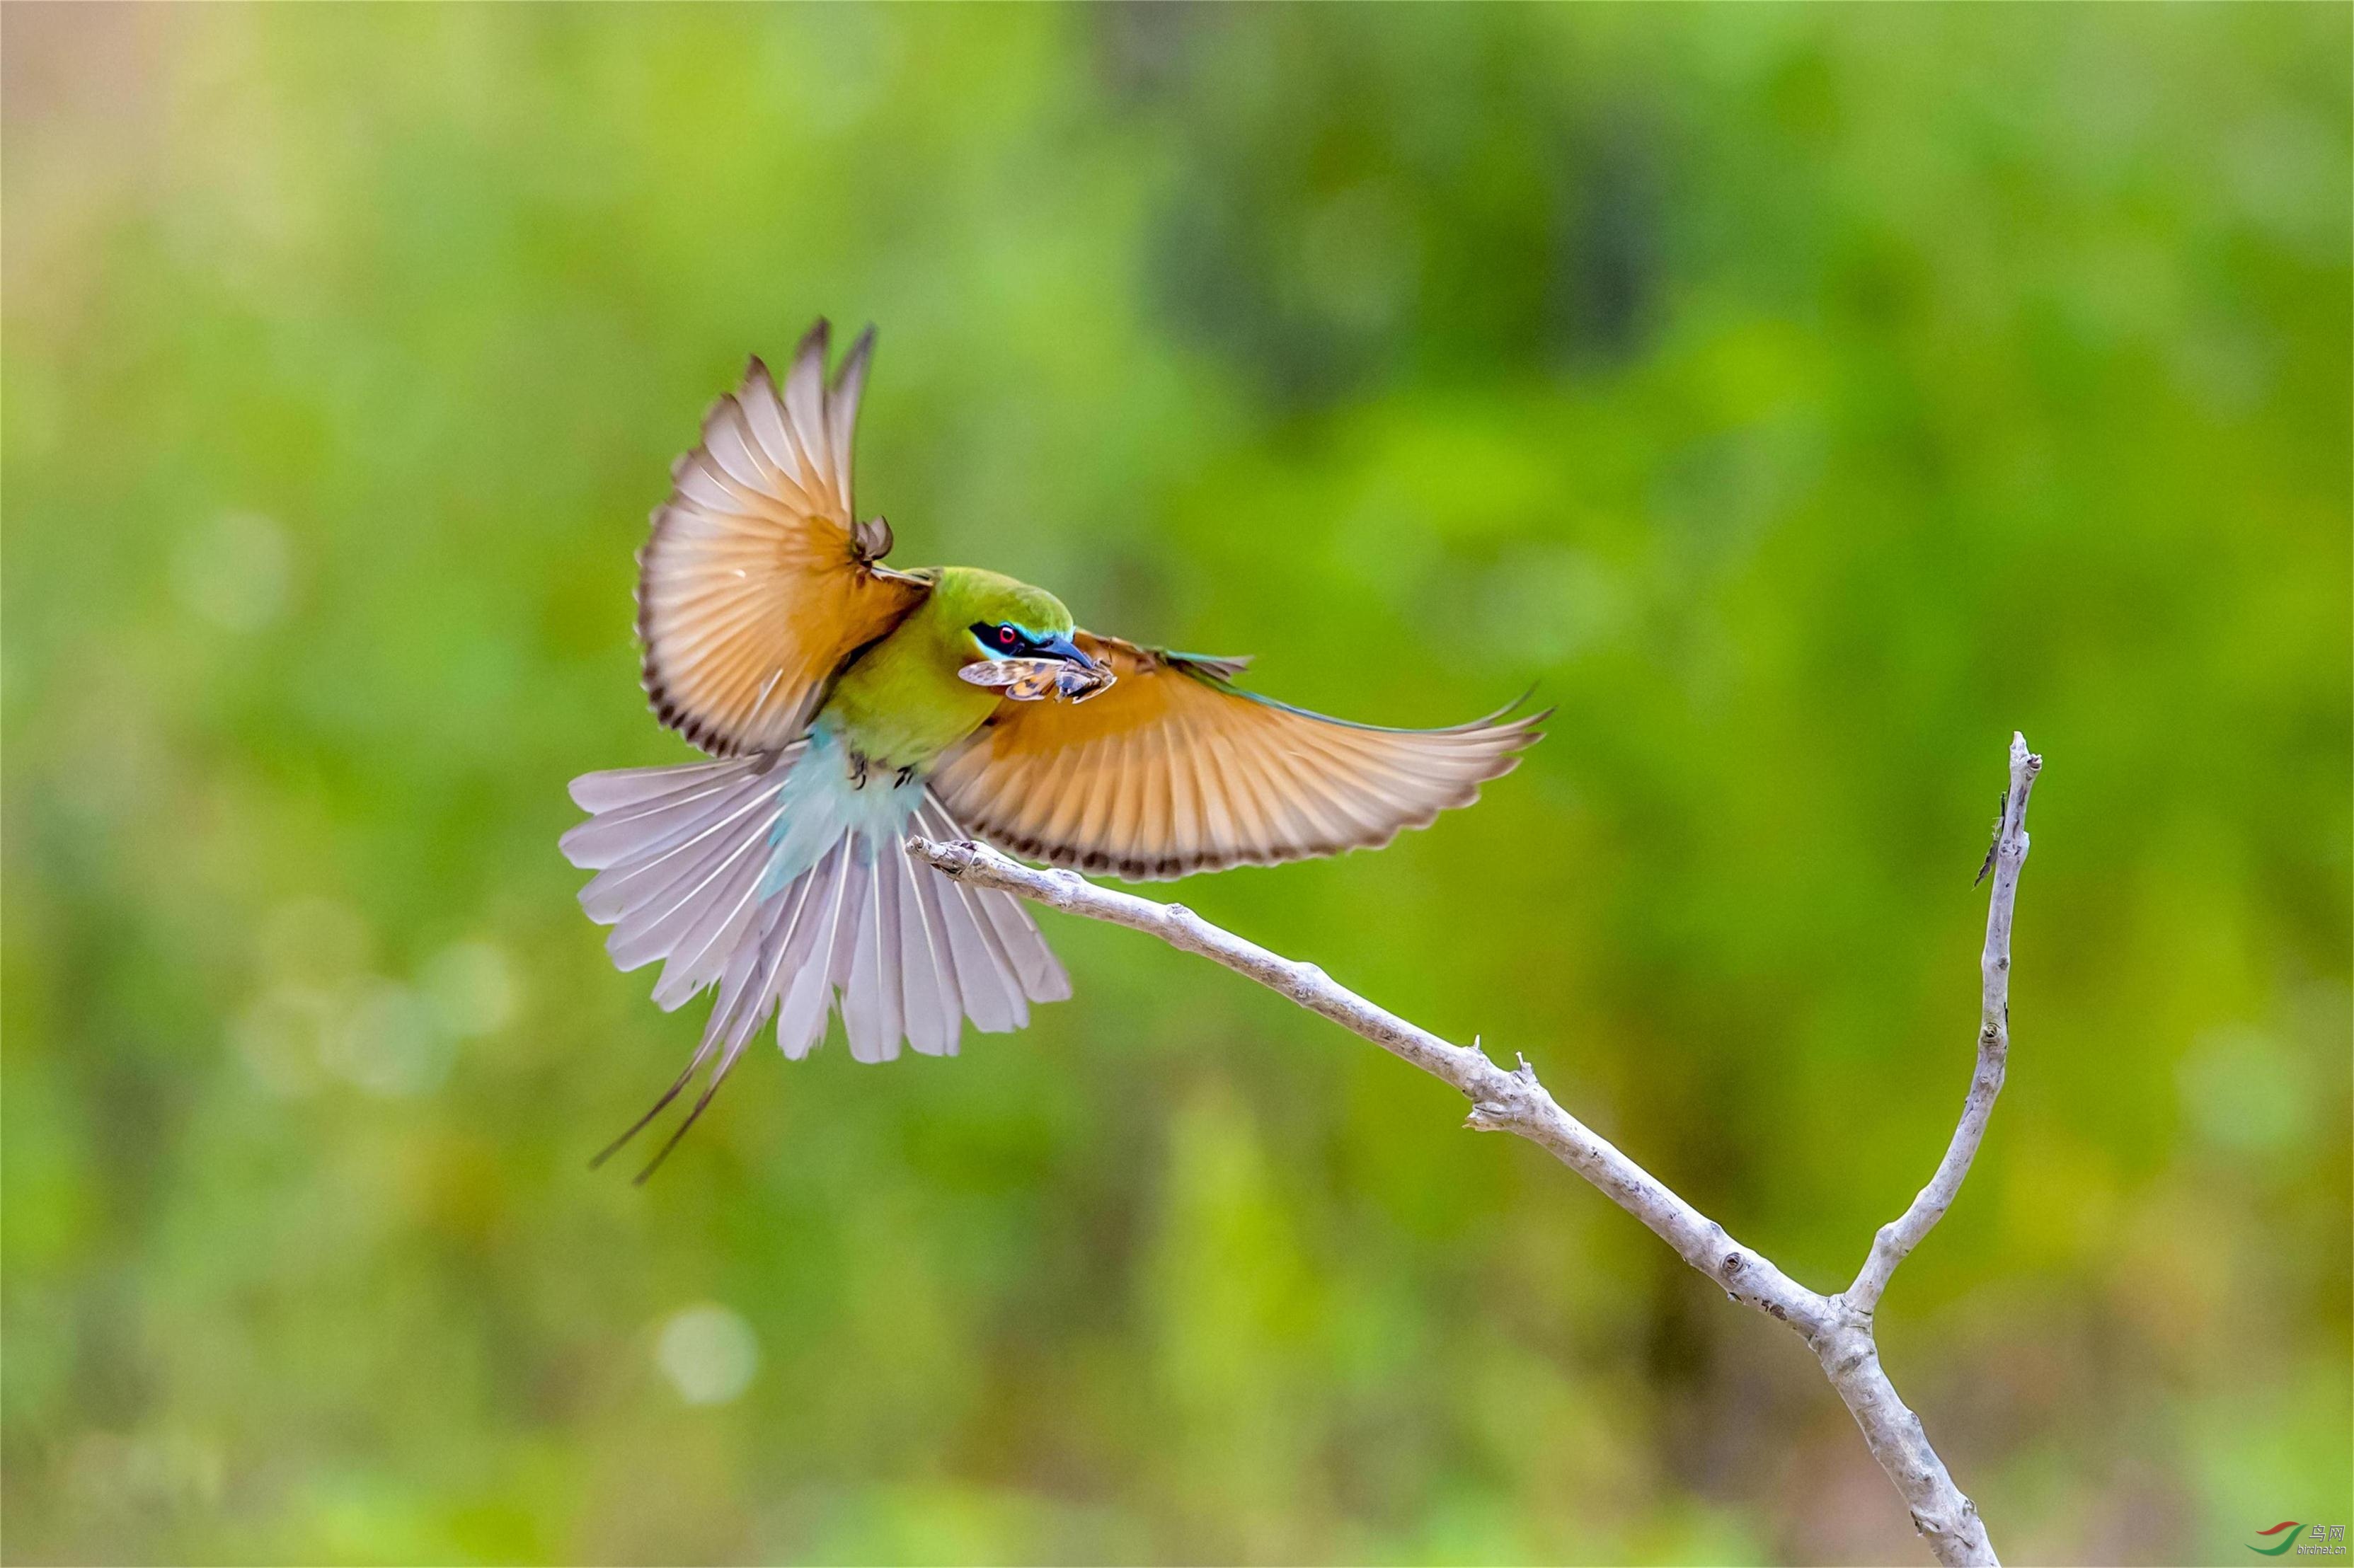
{"type": "Point", "coordinates": [1172, 770]}
{"type": "Point", "coordinates": [757, 584]}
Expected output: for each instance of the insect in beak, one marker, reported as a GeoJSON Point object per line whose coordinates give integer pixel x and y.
{"type": "Point", "coordinates": [1073, 677]}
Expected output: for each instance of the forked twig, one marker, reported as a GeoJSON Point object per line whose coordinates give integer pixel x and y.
{"type": "Point", "coordinates": [1838, 1328]}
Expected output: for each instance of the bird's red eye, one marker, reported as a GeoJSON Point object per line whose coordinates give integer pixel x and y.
{"type": "Point", "coordinates": [1006, 637]}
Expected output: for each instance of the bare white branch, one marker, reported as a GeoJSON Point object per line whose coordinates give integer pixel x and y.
{"type": "Point", "coordinates": [1901, 1235]}
{"type": "Point", "coordinates": [1836, 1329]}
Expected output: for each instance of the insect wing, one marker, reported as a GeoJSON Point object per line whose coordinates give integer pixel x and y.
{"type": "Point", "coordinates": [1007, 671]}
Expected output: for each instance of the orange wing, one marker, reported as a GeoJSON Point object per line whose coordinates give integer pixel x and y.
{"type": "Point", "coordinates": [1172, 772]}
{"type": "Point", "coordinates": [756, 585]}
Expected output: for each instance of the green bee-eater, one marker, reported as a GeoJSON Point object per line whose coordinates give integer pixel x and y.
{"type": "Point", "coordinates": [850, 704]}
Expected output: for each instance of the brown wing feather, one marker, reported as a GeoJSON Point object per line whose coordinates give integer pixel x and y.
{"type": "Point", "coordinates": [1172, 772]}
{"type": "Point", "coordinates": [756, 584]}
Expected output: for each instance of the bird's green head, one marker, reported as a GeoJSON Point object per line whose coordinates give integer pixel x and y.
{"type": "Point", "coordinates": [1003, 619]}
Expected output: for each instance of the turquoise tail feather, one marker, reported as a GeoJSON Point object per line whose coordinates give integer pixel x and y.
{"type": "Point", "coordinates": [784, 882]}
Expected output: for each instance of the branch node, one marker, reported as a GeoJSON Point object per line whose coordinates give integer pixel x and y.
{"type": "Point", "coordinates": [952, 860]}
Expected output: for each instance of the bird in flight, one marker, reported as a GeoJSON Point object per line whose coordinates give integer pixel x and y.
{"type": "Point", "coordinates": [847, 706]}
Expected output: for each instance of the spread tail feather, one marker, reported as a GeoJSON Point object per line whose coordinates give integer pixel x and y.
{"type": "Point", "coordinates": [774, 879]}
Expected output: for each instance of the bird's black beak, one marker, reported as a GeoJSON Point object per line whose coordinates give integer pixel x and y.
{"type": "Point", "coordinates": [1065, 649]}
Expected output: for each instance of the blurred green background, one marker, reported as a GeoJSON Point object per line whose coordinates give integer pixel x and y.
{"type": "Point", "coordinates": [1801, 400]}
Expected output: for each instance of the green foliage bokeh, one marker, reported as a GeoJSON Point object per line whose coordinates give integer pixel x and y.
{"type": "Point", "coordinates": [1799, 399]}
